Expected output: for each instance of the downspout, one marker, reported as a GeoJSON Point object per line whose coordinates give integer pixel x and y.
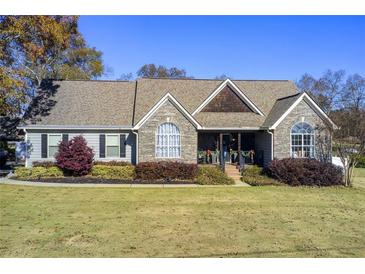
{"type": "Point", "coordinates": [272, 144]}
{"type": "Point", "coordinates": [136, 133]}
{"type": "Point", "coordinates": [26, 147]}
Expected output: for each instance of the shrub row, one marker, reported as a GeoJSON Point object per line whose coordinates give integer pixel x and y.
{"type": "Point", "coordinates": [112, 163]}
{"type": "Point", "coordinates": [113, 172]}
{"type": "Point", "coordinates": [211, 175]}
{"type": "Point", "coordinates": [255, 176]}
{"type": "Point", "coordinates": [45, 164]}
{"type": "Point", "coordinates": [310, 172]}
{"type": "Point", "coordinates": [166, 171]}
{"type": "Point", "coordinates": [38, 172]}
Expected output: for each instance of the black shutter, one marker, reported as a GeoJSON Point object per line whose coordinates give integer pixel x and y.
{"type": "Point", "coordinates": [44, 145]}
{"type": "Point", "coordinates": [64, 137]}
{"type": "Point", "coordinates": [122, 146]}
{"type": "Point", "coordinates": [102, 146]}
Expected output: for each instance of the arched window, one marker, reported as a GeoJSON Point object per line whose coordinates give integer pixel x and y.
{"type": "Point", "coordinates": [168, 142]}
{"type": "Point", "coordinates": [302, 141]}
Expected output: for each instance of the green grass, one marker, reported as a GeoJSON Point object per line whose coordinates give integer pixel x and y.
{"type": "Point", "coordinates": [182, 222]}
{"type": "Point", "coordinates": [359, 177]}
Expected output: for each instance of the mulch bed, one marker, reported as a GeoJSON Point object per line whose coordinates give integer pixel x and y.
{"type": "Point", "coordinates": [93, 180]}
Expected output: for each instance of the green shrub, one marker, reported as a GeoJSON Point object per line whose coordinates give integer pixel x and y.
{"type": "Point", "coordinates": [209, 175]}
{"type": "Point", "coordinates": [112, 163]}
{"type": "Point", "coordinates": [22, 172]}
{"type": "Point", "coordinates": [46, 164]}
{"type": "Point", "coordinates": [113, 172]}
{"type": "Point", "coordinates": [38, 172]}
{"type": "Point", "coordinates": [254, 176]}
{"type": "Point", "coordinates": [260, 180]}
{"type": "Point", "coordinates": [252, 171]}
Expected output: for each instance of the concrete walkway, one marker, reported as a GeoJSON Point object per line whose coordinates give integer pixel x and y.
{"type": "Point", "coordinates": [234, 173]}
{"type": "Point", "coordinates": [7, 181]}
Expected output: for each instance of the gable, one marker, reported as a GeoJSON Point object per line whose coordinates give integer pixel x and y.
{"type": "Point", "coordinates": [312, 109]}
{"type": "Point", "coordinates": [226, 101]}
{"type": "Point", "coordinates": [167, 98]}
{"type": "Point", "coordinates": [237, 91]}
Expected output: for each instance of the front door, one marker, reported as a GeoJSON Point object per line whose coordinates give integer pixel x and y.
{"type": "Point", "coordinates": [226, 147]}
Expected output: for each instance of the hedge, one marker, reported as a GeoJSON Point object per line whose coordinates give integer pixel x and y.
{"type": "Point", "coordinates": [310, 172]}
{"type": "Point", "coordinates": [211, 175]}
{"type": "Point", "coordinates": [37, 172]}
{"type": "Point", "coordinates": [113, 172]}
{"type": "Point", "coordinates": [112, 163]}
{"type": "Point", "coordinates": [166, 171]}
{"type": "Point", "coordinates": [255, 176]}
{"type": "Point", "coordinates": [45, 164]}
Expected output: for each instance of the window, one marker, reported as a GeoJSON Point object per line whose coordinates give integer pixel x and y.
{"type": "Point", "coordinates": [168, 141]}
{"type": "Point", "coordinates": [53, 142]}
{"type": "Point", "coordinates": [302, 141]}
{"type": "Point", "coordinates": [112, 146]}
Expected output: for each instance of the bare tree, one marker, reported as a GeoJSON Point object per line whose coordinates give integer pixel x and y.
{"type": "Point", "coordinates": [351, 145]}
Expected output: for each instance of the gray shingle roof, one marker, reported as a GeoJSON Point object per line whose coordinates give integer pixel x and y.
{"type": "Point", "coordinates": [91, 103]}
{"type": "Point", "coordinates": [111, 103]}
{"type": "Point", "coordinates": [279, 108]}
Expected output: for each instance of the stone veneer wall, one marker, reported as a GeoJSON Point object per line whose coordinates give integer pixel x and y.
{"type": "Point", "coordinates": [147, 135]}
{"type": "Point", "coordinates": [302, 112]}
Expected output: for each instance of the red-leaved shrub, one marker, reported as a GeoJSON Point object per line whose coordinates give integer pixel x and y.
{"type": "Point", "coordinates": [74, 157]}
{"type": "Point", "coordinates": [304, 171]}
{"type": "Point", "coordinates": [166, 170]}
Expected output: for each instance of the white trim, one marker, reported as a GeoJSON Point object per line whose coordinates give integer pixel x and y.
{"type": "Point", "coordinates": [301, 134]}
{"type": "Point", "coordinates": [272, 144]}
{"type": "Point", "coordinates": [26, 147]}
{"type": "Point", "coordinates": [240, 94]}
{"type": "Point", "coordinates": [136, 134]}
{"type": "Point", "coordinates": [230, 128]}
{"type": "Point", "coordinates": [48, 155]}
{"type": "Point", "coordinates": [168, 142]}
{"type": "Point", "coordinates": [300, 98]}
{"type": "Point", "coordinates": [74, 127]}
{"type": "Point", "coordinates": [167, 97]}
{"type": "Point", "coordinates": [106, 146]}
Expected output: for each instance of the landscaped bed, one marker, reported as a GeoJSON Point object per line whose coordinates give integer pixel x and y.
{"type": "Point", "coordinates": [95, 180]}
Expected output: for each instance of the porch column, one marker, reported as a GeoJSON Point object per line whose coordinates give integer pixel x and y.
{"type": "Point", "coordinates": [239, 149]}
{"type": "Point", "coordinates": [221, 154]}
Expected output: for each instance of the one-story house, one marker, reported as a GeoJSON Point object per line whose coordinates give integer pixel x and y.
{"type": "Point", "coordinates": [178, 119]}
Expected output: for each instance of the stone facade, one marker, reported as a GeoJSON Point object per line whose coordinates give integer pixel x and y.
{"type": "Point", "coordinates": [301, 113]}
{"type": "Point", "coordinates": [147, 135]}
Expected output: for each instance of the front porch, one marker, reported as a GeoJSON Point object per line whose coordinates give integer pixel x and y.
{"type": "Point", "coordinates": [238, 147]}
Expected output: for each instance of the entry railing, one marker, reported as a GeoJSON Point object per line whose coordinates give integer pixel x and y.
{"type": "Point", "coordinates": [212, 157]}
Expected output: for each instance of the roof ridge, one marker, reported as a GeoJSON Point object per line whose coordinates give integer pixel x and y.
{"type": "Point", "coordinates": [210, 79]}
{"type": "Point", "coordinates": [89, 80]}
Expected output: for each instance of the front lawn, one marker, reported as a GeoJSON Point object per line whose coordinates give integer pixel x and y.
{"type": "Point", "coordinates": [182, 222]}
{"type": "Point", "coordinates": [359, 177]}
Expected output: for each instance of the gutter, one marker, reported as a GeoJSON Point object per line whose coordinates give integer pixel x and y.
{"type": "Point", "coordinates": [136, 133]}
{"type": "Point", "coordinates": [272, 144]}
{"type": "Point", "coordinates": [74, 127]}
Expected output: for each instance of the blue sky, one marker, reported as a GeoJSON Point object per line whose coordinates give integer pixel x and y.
{"type": "Point", "coordinates": [242, 47]}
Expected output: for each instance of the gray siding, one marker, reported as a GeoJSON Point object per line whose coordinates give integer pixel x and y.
{"type": "Point", "coordinates": [263, 143]}
{"type": "Point", "coordinates": [92, 138]}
